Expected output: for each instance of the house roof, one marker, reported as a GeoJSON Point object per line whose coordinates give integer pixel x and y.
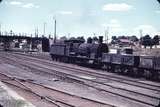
{"type": "Point", "coordinates": [124, 40]}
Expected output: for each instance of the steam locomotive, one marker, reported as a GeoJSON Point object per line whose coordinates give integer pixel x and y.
{"type": "Point", "coordinates": [78, 52]}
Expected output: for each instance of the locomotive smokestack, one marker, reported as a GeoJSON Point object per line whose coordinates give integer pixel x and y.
{"type": "Point", "coordinates": [100, 39]}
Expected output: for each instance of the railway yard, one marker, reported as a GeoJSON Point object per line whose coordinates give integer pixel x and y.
{"type": "Point", "coordinates": [82, 53]}
{"type": "Point", "coordinates": [46, 83]}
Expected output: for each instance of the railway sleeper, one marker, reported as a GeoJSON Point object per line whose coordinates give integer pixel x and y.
{"type": "Point", "coordinates": [135, 72]}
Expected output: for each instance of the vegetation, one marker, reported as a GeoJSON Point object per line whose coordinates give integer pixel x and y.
{"type": "Point", "coordinates": [114, 40]}
{"type": "Point", "coordinates": [81, 38]}
{"type": "Point", "coordinates": [63, 38]}
{"type": "Point", "coordinates": [156, 40]}
{"type": "Point", "coordinates": [145, 40]}
{"type": "Point", "coordinates": [148, 41]}
{"type": "Point", "coordinates": [95, 39]}
{"type": "Point", "coordinates": [134, 38]}
{"type": "Point", "coordinates": [89, 40]}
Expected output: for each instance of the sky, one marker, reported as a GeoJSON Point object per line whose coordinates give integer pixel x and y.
{"type": "Point", "coordinates": [81, 17]}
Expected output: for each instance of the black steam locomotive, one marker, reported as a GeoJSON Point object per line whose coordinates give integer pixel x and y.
{"type": "Point", "coordinates": [76, 51]}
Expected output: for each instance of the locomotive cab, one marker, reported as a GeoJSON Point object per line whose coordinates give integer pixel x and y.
{"type": "Point", "coordinates": [93, 50]}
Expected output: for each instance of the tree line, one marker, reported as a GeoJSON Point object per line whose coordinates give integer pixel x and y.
{"type": "Point", "coordinates": [145, 40]}
{"type": "Point", "coordinates": [148, 41]}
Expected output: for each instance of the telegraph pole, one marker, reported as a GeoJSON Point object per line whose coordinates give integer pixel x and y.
{"type": "Point", "coordinates": [69, 35]}
{"type": "Point", "coordinates": [44, 29]}
{"type": "Point", "coordinates": [106, 35]}
{"type": "Point", "coordinates": [55, 28]}
{"type": "Point", "coordinates": [37, 32]}
{"type": "Point", "coordinates": [94, 34]}
{"type": "Point", "coordinates": [0, 28]}
{"type": "Point", "coordinates": [141, 35]}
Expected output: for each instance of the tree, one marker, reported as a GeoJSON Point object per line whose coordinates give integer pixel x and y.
{"type": "Point", "coordinates": [89, 40]}
{"type": "Point", "coordinates": [122, 37]}
{"type": "Point", "coordinates": [158, 1]}
{"type": "Point", "coordinates": [63, 38]}
{"type": "Point", "coordinates": [114, 40]}
{"type": "Point", "coordinates": [72, 38]}
{"type": "Point", "coordinates": [134, 38]}
{"type": "Point", "coordinates": [81, 38]}
{"type": "Point", "coordinates": [156, 40]}
{"type": "Point", "coordinates": [95, 38]}
{"type": "Point", "coordinates": [147, 41]}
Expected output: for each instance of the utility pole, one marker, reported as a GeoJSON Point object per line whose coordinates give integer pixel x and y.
{"type": "Point", "coordinates": [94, 34]}
{"type": "Point", "coordinates": [0, 29]}
{"type": "Point", "coordinates": [35, 32]}
{"type": "Point", "coordinates": [69, 34]}
{"type": "Point", "coordinates": [55, 28]}
{"type": "Point", "coordinates": [31, 43]}
{"type": "Point", "coordinates": [106, 35]}
{"type": "Point", "coordinates": [44, 29]}
{"type": "Point", "coordinates": [141, 35]}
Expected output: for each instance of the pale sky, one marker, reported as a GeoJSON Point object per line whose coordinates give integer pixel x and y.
{"type": "Point", "coordinates": [81, 17]}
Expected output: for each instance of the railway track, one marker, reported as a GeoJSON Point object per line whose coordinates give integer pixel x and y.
{"type": "Point", "coordinates": [32, 87]}
{"type": "Point", "coordinates": [100, 83]}
{"type": "Point", "coordinates": [17, 83]}
{"type": "Point", "coordinates": [121, 79]}
{"type": "Point", "coordinates": [105, 76]}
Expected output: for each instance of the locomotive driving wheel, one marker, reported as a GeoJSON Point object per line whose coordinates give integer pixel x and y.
{"type": "Point", "coordinates": [155, 75]}
{"type": "Point", "coordinates": [117, 69]}
{"type": "Point", "coordinates": [148, 74]}
{"type": "Point", "coordinates": [123, 69]}
{"type": "Point", "coordinates": [136, 72]}
{"type": "Point", "coordinates": [129, 71]}
{"type": "Point", "coordinates": [107, 67]}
